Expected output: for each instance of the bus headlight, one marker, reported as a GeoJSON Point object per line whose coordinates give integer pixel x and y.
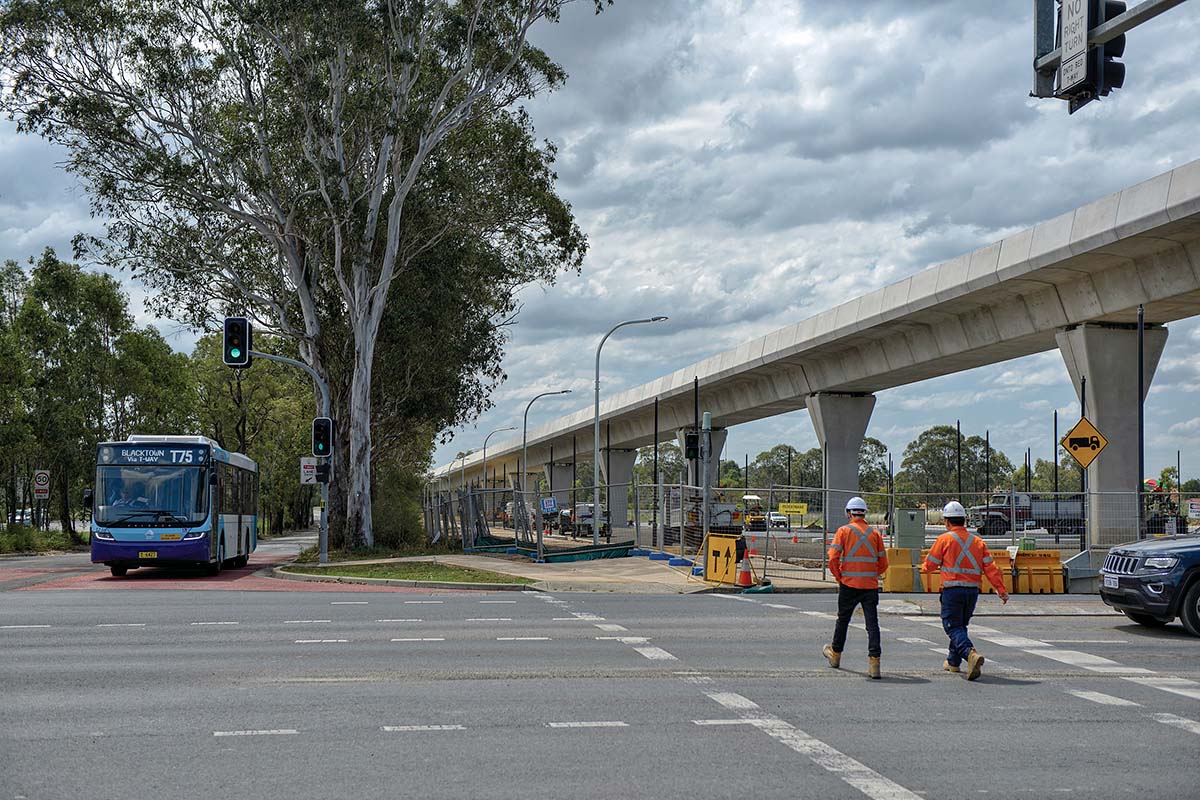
{"type": "Point", "coordinates": [108, 537]}
{"type": "Point", "coordinates": [195, 535]}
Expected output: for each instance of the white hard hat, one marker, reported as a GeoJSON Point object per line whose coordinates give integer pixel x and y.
{"type": "Point", "coordinates": [856, 504]}
{"type": "Point", "coordinates": [954, 509]}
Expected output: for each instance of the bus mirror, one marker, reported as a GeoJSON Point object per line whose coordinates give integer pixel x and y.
{"type": "Point", "coordinates": [212, 478]}
{"type": "Point", "coordinates": [87, 498]}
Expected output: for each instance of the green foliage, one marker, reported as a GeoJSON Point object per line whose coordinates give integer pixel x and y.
{"type": "Point", "coordinates": [399, 523]}
{"type": "Point", "coordinates": [670, 463]}
{"type": "Point", "coordinates": [930, 464]}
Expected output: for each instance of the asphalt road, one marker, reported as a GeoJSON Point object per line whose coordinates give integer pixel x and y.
{"type": "Point", "coordinates": [297, 694]}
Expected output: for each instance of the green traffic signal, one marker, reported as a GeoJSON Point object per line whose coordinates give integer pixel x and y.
{"type": "Point", "coordinates": [235, 353]}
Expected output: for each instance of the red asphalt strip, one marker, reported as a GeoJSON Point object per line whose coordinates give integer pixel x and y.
{"type": "Point", "coordinates": [242, 579]}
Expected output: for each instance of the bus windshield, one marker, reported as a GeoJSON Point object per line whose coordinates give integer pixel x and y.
{"type": "Point", "coordinates": [137, 496]}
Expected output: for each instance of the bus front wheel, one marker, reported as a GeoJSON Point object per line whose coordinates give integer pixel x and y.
{"type": "Point", "coordinates": [118, 572]}
{"type": "Point", "coordinates": [215, 569]}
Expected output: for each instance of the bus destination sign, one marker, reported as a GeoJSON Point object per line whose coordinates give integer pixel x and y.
{"type": "Point", "coordinates": [180, 455]}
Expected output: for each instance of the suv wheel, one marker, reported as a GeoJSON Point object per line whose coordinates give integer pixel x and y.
{"type": "Point", "coordinates": [1189, 611]}
{"type": "Point", "coordinates": [1145, 619]}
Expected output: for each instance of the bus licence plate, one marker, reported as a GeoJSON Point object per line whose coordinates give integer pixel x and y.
{"type": "Point", "coordinates": [148, 554]}
{"type": "Point", "coordinates": [1112, 582]}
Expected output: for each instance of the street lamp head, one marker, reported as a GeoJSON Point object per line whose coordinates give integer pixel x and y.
{"type": "Point", "coordinates": [564, 391]}
{"type": "Point", "coordinates": [659, 319]}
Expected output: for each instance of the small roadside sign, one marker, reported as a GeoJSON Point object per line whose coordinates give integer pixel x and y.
{"type": "Point", "coordinates": [720, 558]}
{"type": "Point", "coordinates": [308, 470]}
{"type": "Point", "coordinates": [1084, 442]}
{"type": "Point", "coordinates": [1075, 24]}
{"type": "Point", "coordinates": [1193, 508]}
{"type": "Point", "coordinates": [41, 484]}
{"type": "Point", "coordinates": [793, 508]}
{"type": "Point", "coordinates": [550, 505]}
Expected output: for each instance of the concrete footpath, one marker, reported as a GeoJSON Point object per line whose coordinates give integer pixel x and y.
{"type": "Point", "coordinates": [640, 575]}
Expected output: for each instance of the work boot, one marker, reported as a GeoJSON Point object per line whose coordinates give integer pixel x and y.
{"type": "Point", "coordinates": [873, 667]}
{"type": "Point", "coordinates": [835, 659]}
{"type": "Point", "coordinates": [974, 664]}
{"type": "Point", "coordinates": [946, 665]}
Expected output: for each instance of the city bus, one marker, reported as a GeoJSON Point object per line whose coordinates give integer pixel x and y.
{"type": "Point", "coordinates": [172, 500]}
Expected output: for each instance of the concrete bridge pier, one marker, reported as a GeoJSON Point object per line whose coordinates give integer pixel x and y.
{"type": "Point", "coordinates": [841, 423]}
{"type": "Point", "coordinates": [1107, 355]}
{"type": "Point", "coordinates": [717, 437]}
{"type": "Point", "coordinates": [621, 464]}
{"type": "Point", "coordinates": [558, 476]}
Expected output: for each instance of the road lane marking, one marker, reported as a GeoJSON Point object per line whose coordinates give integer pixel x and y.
{"type": "Point", "coordinates": [734, 597]}
{"type": "Point", "coordinates": [732, 700]}
{"type": "Point", "coordinates": [913, 640]}
{"type": "Point", "coordinates": [421, 639]}
{"type": "Point", "coordinates": [489, 619]}
{"type": "Point", "coordinates": [1101, 698]}
{"type": "Point", "coordinates": [1087, 661]}
{"type": "Point", "coordinates": [862, 626]}
{"type": "Point", "coordinates": [423, 602]}
{"type": "Point", "coordinates": [1086, 641]}
{"type": "Point", "coordinates": [819, 614]}
{"type": "Point", "coordinates": [121, 625]}
{"type": "Point", "coordinates": [748, 721]}
{"type": "Point", "coordinates": [304, 621]}
{"type": "Point", "coordinates": [349, 602]}
{"type": "Point", "coordinates": [624, 639]}
{"type": "Point", "coordinates": [276, 732]}
{"type": "Point", "coordinates": [611, 628]}
{"type": "Point", "coordinates": [399, 620]}
{"type": "Point", "coordinates": [780, 605]}
{"type": "Point", "coordinates": [600, 724]}
{"type": "Point", "coordinates": [322, 641]}
{"type": "Point", "coordinates": [1180, 686]}
{"type": "Point", "coordinates": [214, 623]}
{"type": "Point", "coordinates": [496, 602]}
{"type": "Point", "coordinates": [853, 772]}
{"type": "Point", "coordinates": [410, 728]}
{"type": "Point", "coordinates": [587, 616]}
{"type": "Point", "coordinates": [565, 619]}
{"type": "Point", "coordinates": [18, 627]}
{"type": "Point", "coordinates": [522, 638]}
{"type": "Point", "coordinates": [1183, 723]}
{"type": "Point", "coordinates": [656, 654]}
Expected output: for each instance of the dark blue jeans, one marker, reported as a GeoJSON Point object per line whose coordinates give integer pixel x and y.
{"type": "Point", "coordinates": [958, 604]}
{"type": "Point", "coordinates": [848, 599]}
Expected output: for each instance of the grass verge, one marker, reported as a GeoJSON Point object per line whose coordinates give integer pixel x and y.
{"type": "Point", "coordinates": [19, 539]}
{"type": "Point", "coordinates": [414, 571]}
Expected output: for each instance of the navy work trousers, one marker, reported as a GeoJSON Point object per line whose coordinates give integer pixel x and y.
{"type": "Point", "coordinates": [958, 604]}
{"type": "Point", "coordinates": [848, 599]}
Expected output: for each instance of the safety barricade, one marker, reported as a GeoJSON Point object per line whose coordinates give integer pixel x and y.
{"type": "Point", "coordinates": [1035, 572]}
{"type": "Point", "coordinates": [1039, 572]}
{"type": "Point", "coordinates": [902, 571]}
{"type": "Point", "coordinates": [1004, 564]}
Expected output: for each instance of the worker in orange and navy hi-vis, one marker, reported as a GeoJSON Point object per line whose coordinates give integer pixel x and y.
{"type": "Point", "coordinates": [857, 559]}
{"type": "Point", "coordinates": [963, 559]}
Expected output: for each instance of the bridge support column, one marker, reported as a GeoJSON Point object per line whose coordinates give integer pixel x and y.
{"type": "Point", "coordinates": [840, 421]}
{"type": "Point", "coordinates": [717, 437]}
{"type": "Point", "coordinates": [621, 463]}
{"type": "Point", "coordinates": [1107, 356]}
{"type": "Point", "coordinates": [559, 478]}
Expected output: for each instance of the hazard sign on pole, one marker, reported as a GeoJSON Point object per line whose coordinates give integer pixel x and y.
{"type": "Point", "coordinates": [1084, 442]}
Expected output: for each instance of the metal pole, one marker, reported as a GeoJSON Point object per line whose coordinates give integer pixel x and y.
{"type": "Point", "coordinates": [1141, 330]}
{"type": "Point", "coordinates": [705, 446]}
{"type": "Point", "coordinates": [1083, 476]}
{"type": "Point", "coordinates": [596, 424]}
{"type": "Point", "coordinates": [654, 525]}
{"type": "Point", "coordinates": [326, 411]}
{"type": "Point", "coordinates": [987, 461]}
{"type": "Point", "coordinates": [525, 430]}
{"type": "Point", "coordinates": [958, 456]}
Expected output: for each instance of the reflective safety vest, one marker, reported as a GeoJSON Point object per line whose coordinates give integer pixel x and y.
{"type": "Point", "coordinates": [963, 560]}
{"type": "Point", "coordinates": [857, 557]}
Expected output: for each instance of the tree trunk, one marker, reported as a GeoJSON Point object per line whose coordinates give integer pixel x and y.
{"type": "Point", "coordinates": [358, 500]}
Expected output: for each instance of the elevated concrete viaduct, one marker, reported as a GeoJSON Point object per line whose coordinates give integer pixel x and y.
{"type": "Point", "coordinates": [1073, 282]}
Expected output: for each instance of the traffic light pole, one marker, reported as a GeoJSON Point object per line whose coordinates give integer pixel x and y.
{"type": "Point", "coordinates": [325, 411]}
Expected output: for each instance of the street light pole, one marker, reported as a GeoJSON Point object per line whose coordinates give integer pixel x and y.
{"type": "Point", "coordinates": [596, 428]}
{"type": "Point", "coordinates": [525, 430]}
{"type": "Point", "coordinates": [485, 441]}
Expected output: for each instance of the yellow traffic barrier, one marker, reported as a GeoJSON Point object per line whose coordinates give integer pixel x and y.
{"type": "Point", "coordinates": [1004, 564]}
{"type": "Point", "coordinates": [899, 575]}
{"type": "Point", "coordinates": [1039, 572]}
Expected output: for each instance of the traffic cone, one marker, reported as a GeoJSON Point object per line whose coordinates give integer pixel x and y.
{"type": "Point", "coordinates": [744, 576]}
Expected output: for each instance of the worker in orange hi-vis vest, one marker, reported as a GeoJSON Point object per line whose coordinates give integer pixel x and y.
{"type": "Point", "coordinates": [856, 560]}
{"type": "Point", "coordinates": [963, 559]}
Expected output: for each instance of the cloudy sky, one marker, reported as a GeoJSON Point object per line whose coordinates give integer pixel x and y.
{"type": "Point", "coordinates": [741, 165]}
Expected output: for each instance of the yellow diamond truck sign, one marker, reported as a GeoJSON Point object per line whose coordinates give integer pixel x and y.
{"type": "Point", "coordinates": [1084, 442]}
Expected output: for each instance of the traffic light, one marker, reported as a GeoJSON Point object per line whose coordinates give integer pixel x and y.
{"type": "Point", "coordinates": [1110, 73]}
{"type": "Point", "coordinates": [691, 446]}
{"type": "Point", "coordinates": [235, 351]}
{"type": "Point", "coordinates": [322, 437]}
